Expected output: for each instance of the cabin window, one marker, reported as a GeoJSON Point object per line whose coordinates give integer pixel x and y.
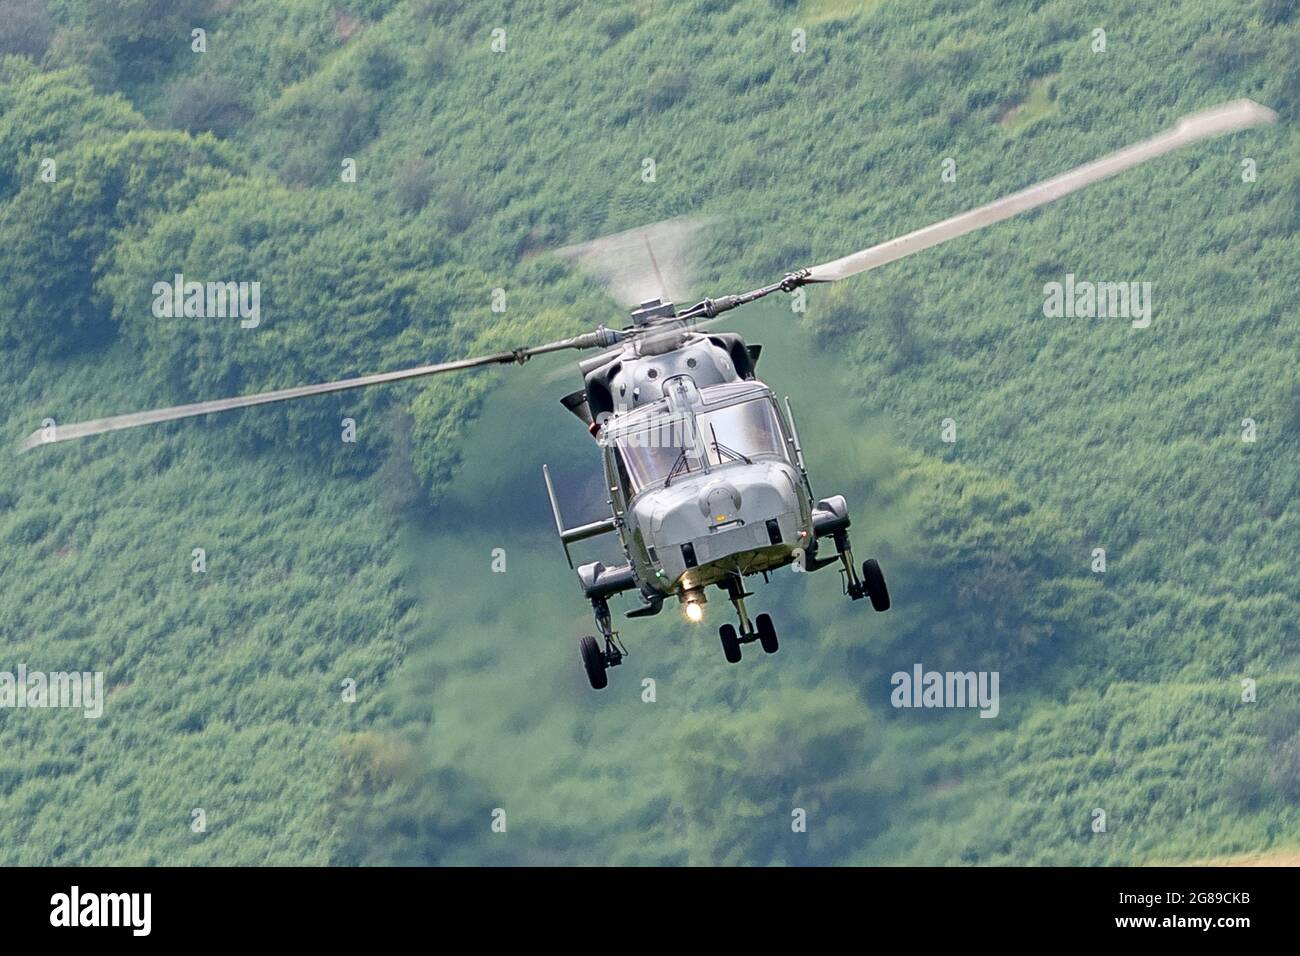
{"type": "Point", "coordinates": [648, 464]}
{"type": "Point", "coordinates": [681, 445]}
{"type": "Point", "coordinates": [650, 454]}
{"type": "Point", "coordinates": [745, 430]}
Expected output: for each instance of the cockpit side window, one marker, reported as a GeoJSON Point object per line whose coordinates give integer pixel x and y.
{"type": "Point", "coordinates": [624, 479]}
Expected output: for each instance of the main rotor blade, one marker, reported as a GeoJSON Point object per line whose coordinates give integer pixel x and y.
{"type": "Point", "coordinates": [62, 433]}
{"type": "Point", "coordinates": [1226, 118]}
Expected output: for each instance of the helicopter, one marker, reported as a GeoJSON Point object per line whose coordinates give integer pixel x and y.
{"type": "Point", "coordinates": [707, 480]}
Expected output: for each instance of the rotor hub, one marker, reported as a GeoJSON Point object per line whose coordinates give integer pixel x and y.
{"type": "Point", "coordinates": [651, 311]}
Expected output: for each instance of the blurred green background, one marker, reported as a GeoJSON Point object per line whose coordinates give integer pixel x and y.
{"type": "Point", "coordinates": [373, 561]}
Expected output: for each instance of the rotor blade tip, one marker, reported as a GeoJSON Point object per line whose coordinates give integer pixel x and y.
{"type": "Point", "coordinates": [1227, 117]}
{"type": "Point", "coordinates": [1265, 114]}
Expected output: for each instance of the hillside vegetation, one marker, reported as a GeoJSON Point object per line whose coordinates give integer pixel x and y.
{"type": "Point", "coordinates": [333, 565]}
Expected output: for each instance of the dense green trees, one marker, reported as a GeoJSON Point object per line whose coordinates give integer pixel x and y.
{"type": "Point", "coordinates": [63, 237]}
{"type": "Point", "coordinates": [45, 113]}
{"type": "Point", "coordinates": [1122, 691]}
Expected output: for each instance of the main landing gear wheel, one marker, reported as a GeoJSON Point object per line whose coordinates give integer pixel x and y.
{"type": "Point", "coordinates": [874, 581]}
{"type": "Point", "coordinates": [767, 633]}
{"type": "Point", "coordinates": [730, 643]}
{"type": "Point", "coordinates": [593, 659]}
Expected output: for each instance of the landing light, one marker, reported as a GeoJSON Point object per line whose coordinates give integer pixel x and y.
{"type": "Point", "coordinates": [694, 612]}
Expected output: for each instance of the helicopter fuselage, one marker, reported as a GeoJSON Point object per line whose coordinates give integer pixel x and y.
{"type": "Point", "coordinates": [704, 487]}
{"type": "Point", "coordinates": [706, 478]}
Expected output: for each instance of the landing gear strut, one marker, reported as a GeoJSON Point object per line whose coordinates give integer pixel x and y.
{"type": "Point", "coordinates": [596, 660]}
{"type": "Point", "coordinates": [761, 629]}
{"type": "Point", "coordinates": [872, 582]}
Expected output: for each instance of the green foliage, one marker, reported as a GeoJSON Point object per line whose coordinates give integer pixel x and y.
{"type": "Point", "coordinates": [60, 237]}
{"type": "Point", "coordinates": [616, 21]}
{"type": "Point", "coordinates": [1005, 592]}
{"type": "Point", "coordinates": [845, 312]}
{"type": "Point", "coordinates": [413, 184]}
{"type": "Point", "coordinates": [26, 28]}
{"type": "Point", "coordinates": [736, 776]}
{"type": "Point", "coordinates": [1277, 12]}
{"type": "Point", "coordinates": [380, 68]}
{"type": "Point", "coordinates": [1219, 54]}
{"type": "Point", "coordinates": [43, 114]}
{"type": "Point", "coordinates": [436, 57]}
{"type": "Point", "coordinates": [141, 35]}
{"type": "Point", "coordinates": [204, 104]}
{"type": "Point", "coordinates": [372, 560]}
{"type": "Point", "coordinates": [665, 88]}
{"type": "Point", "coordinates": [339, 296]}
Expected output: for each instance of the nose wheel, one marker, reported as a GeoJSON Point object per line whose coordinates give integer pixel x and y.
{"type": "Point", "coordinates": [761, 629]}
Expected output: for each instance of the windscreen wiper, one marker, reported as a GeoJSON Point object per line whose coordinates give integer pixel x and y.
{"type": "Point", "coordinates": [679, 465]}
{"type": "Point", "coordinates": [720, 449]}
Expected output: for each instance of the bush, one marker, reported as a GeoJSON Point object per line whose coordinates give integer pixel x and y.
{"type": "Point", "coordinates": [458, 208]}
{"type": "Point", "coordinates": [380, 68]}
{"type": "Point", "coordinates": [143, 36]}
{"type": "Point", "coordinates": [25, 28]}
{"type": "Point", "coordinates": [413, 184]}
{"type": "Point", "coordinates": [353, 122]}
{"type": "Point", "coordinates": [436, 57]}
{"type": "Point", "coordinates": [1277, 12]}
{"type": "Point", "coordinates": [205, 104]}
{"type": "Point", "coordinates": [1218, 54]}
{"type": "Point", "coordinates": [1285, 769]}
{"type": "Point", "coordinates": [664, 89]}
{"type": "Point", "coordinates": [60, 238]}
{"type": "Point", "coordinates": [909, 73]}
{"type": "Point", "coordinates": [617, 22]}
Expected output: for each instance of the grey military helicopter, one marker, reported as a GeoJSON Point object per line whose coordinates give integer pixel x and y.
{"type": "Point", "coordinates": [708, 482]}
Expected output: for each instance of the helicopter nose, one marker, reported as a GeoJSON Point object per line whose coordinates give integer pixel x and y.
{"type": "Point", "coordinates": [751, 509]}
